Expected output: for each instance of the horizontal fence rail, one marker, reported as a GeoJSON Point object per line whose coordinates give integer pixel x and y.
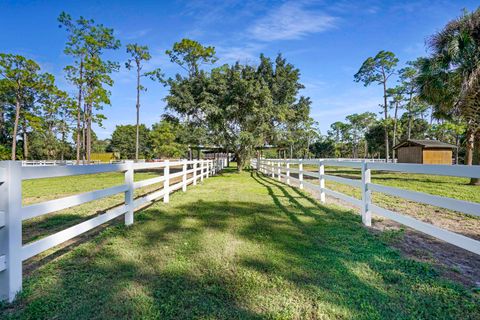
{"type": "Point", "coordinates": [280, 169]}
{"type": "Point", "coordinates": [12, 213]}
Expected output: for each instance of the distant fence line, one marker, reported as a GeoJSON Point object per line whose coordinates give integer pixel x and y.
{"type": "Point", "coordinates": [280, 169]}
{"type": "Point", "coordinates": [12, 213]}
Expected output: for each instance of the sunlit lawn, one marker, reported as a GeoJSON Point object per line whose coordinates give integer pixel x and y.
{"type": "Point", "coordinates": [239, 246]}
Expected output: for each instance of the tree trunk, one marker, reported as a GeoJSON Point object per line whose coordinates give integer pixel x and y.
{"type": "Point", "coordinates": [138, 113]}
{"type": "Point", "coordinates": [2, 125]}
{"type": "Point", "coordinates": [240, 162]}
{"type": "Point", "coordinates": [395, 130]}
{"type": "Point", "coordinates": [469, 153]}
{"type": "Point", "coordinates": [410, 117]}
{"type": "Point", "coordinates": [89, 133]}
{"type": "Point", "coordinates": [62, 150]}
{"type": "Point", "coordinates": [228, 158]}
{"type": "Point", "coordinates": [25, 140]}
{"type": "Point", "coordinates": [84, 134]}
{"type": "Point", "coordinates": [15, 129]}
{"type": "Point", "coordinates": [476, 157]}
{"type": "Point", "coordinates": [457, 143]}
{"type": "Point", "coordinates": [385, 111]}
{"type": "Point", "coordinates": [79, 109]}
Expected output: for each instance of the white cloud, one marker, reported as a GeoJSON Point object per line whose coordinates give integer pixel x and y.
{"type": "Point", "coordinates": [292, 20]}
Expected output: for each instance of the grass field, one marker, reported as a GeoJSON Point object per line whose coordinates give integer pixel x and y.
{"type": "Point", "coordinates": [452, 187]}
{"type": "Point", "coordinates": [240, 246]}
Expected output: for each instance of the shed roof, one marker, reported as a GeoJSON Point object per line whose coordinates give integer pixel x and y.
{"type": "Point", "coordinates": [431, 144]}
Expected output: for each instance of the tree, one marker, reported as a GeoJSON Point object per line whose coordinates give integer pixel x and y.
{"type": "Point", "coordinates": [89, 73]}
{"type": "Point", "coordinates": [76, 47]}
{"type": "Point", "coordinates": [378, 70]}
{"type": "Point", "coordinates": [123, 141]}
{"type": "Point", "coordinates": [24, 80]}
{"type": "Point", "coordinates": [165, 138]}
{"type": "Point", "coordinates": [139, 55]}
{"type": "Point", "coordinates": [397, 99]}
{"type": "Point", "coordinates": [450, 77]}
{"type": "Point", "coordinates": [190, 54]}
{"type": "Point", "coordinates": [359, 125]}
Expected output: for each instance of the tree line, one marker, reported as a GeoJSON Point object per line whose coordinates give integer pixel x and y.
{"type": "Point", "coordinates": [235, 107]}
{"type": "Point", "coordinates": [434, 97]}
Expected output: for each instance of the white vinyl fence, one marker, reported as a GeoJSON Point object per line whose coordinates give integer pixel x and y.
{"type": "Point", "coordinates": [280, 169]}
{"type": "Point", "coordinates": [12, 213]}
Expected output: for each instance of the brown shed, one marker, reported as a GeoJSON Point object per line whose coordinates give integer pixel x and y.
{"type": "Point", "coordinates": [424, 151]}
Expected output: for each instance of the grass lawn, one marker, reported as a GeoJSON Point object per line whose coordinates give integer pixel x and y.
{"type": "Point", "coordinates": [452, 187]}
{"type": "Point", "coordinates": [239, 246]}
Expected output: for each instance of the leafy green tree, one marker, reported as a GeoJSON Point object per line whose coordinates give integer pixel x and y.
{"type": "Point", "coordinates": [123, 141]}
{"type": "Point", "coordinates": [139, 55]}
{"type": "Point", "coordinates": [378, 70]}
{"type": "Point", "coordinates": [190, 55]}
{"type": "Point", "coordinates": [25, 81]}
{"type": "Point", "coordinates": [359, 125]}
{"type": "Point", "coordinates": [450, 77]}
{"type": "Point", "coordinates": [165, 140]}
{"type": "Point", "coordinates": [86, 43]}
{"type": "Point", "coordinates": [397, 97]}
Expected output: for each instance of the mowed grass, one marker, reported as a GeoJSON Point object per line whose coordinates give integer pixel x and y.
{"type": "Point", "coordinates": [451, 187]}
{"type": "Point", "coordinates": [239, 246]}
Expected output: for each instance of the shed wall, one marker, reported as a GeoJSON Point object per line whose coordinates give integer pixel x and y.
{"type": "Point", "coordinates": [411, 154]}
{"type": "Point", "coordinates": [437, 156]}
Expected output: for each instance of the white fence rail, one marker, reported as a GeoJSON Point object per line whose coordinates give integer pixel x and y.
{"type": "Point", "coordinates": [281, 169]}
{"type": "Point", "coordinates": [12, 213]}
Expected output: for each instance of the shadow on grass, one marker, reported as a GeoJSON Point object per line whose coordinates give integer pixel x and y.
{"type": "Point", "coordinates": [312, 259]}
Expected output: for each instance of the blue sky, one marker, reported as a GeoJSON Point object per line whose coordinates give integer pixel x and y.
{"type": "Point", "coordinates": [326, 40]}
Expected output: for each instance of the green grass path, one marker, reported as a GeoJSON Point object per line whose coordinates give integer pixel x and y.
{"type": "Point", "coordinates": [239, 246]}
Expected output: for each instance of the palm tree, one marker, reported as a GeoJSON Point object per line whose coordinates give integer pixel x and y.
{"type": "Point", "coordinates": [450, 78]}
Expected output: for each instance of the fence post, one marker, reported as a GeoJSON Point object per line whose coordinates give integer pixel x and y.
{"type": "Point", "coordinates": [272, 169]}
{"type": "Point", "coordinates": [300, 172]}
{"type": "Point", "coordinates": [195, 172]}
{"type": "Point", "coordinates": [166, 182]}
{"type": "Point", "coordinates": [366, 195]}
{"type": "Point", "coordinates": [11, 230]}
{"type": "Point", "coordinates": [321, 180]}
{"type": "Point", "coordinates": [129, 193]}
{"type": "Point", "coordinates": [201, 170]}
{"type": "Point", "coordinates": [184, 176]}
{"type": "Point", "coordinates": [288, 172]}
{"type": "Point", "coordinates": [208, 169]}
{"type": "Point", "coordinates": [279, 170]}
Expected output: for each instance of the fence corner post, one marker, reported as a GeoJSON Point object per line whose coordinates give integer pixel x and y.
{"type": "Point", "coordinates": [11, 231]}
{"type": "Point", "coordinates": [366, 195]}
{"type": "Point", "coordinates": [300, 172]}
{"type": "Point", "coordinates": [129, 193]}
{"type": "Point", "coordinates": [321, 178]}
{"type": "Point", "coordinates": [166, 182]}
